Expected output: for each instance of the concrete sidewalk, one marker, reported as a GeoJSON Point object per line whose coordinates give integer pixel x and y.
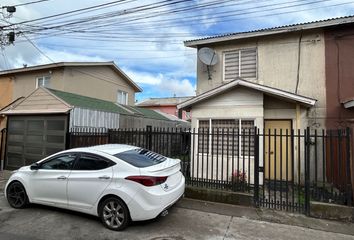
{"type": "Point", "coordinates": [268, 215]}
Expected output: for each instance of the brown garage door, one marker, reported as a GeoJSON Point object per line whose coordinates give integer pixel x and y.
{"type": "Point", "coordinates": [31, 138]}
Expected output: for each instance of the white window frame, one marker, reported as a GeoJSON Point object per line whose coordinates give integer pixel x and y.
{"type": "Point", "coordinates": [210, 132]}
{"type": "Point", "coordinates": [46, 81]}
{"type": "Point", "coordinates": [239, 62]}
{"type": "Point", "coordinates": [122, 94]}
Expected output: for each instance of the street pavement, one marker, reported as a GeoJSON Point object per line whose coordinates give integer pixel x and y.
{"type": "Point", "coordinates": [39, 222]}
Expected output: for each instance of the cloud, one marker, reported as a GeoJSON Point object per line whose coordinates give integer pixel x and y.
{"type": "Point", "coordinates": [144, 77]}
{"type": "Point", "coordinates": [25, 53]}
{"type": "Point", "coordinates": [151, 50]}
{"type": "Point", "coordinates": [173, 87]}
{"type": "Point", "coordinates": [162, 84]}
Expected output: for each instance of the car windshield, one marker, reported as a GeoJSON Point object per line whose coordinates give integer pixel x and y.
{"type": "Point", "coordinates": [141, 157]}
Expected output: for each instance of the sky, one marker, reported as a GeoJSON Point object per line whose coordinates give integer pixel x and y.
{"type": "Point", "coordinates": [145, 37]}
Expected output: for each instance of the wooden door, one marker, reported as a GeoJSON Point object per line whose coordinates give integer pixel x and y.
{"type": "Point", "coordinates": [277, 150]}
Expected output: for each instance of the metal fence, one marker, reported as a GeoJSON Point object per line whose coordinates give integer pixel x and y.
{"type": "Point", "coordinates": [84, 137]}
{"type": "Point", "coordinates": [283, 169]}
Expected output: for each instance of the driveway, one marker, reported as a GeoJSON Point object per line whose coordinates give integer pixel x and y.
{"type": "Point", "coordinates": [38, 222]}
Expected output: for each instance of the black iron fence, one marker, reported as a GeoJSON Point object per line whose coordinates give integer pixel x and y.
{"type": "Point", "coordinates": [83, 137]}
{"type": "Point", "coordinates": [283, 169]}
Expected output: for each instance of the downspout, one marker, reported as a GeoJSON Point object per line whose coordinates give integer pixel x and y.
{"type": "Point", "coordinates": [298, 63]}
{"type": "Point", "coordinates": [338, 80]}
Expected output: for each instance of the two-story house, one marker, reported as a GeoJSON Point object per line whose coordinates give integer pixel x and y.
{"type": "Point", "coordinates": [101, 80]}
{"type": "Point", "coordinates": [40, 105]}
{"type": "Point", "coordinates": [289, 77]}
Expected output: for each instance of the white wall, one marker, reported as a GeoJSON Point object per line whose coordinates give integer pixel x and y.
{"type": "Point", "coordinates": [80, 117]}
{"type": "Point", "coordinates": [239, 103]}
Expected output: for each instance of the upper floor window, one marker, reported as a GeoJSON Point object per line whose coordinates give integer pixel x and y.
{"type": "Point", "coordinates": [240, 63]}
{"type": "Point", "coordinates": [122, 97]}
{"type": "Point", "coordinates": [43, 81]}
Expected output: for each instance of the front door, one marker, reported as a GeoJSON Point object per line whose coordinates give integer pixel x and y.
{"type": "Point", "coordinates": [277, 150]}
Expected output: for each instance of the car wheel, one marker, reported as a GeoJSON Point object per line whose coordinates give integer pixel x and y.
{"type": "Point", "coordinates": [16, 195]}
{"type": "Point", "coordinates": [114, 214]}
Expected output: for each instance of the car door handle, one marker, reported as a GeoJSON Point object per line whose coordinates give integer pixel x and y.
{"type": "Point", "coordinates": [104, 177]}
{"type": "Point", "coordinates": [61, 178]}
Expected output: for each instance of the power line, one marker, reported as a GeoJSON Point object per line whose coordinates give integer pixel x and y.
{"type": "Point", "coordinates": [6, 61]}
{"type": "Point", "coordinates": [83, 9]}
{"type": "Point", "coordinates": [136, 39]}
{"type": "Point", "coordinates": [28, 3]}
{"type": "Point", "coordinates": [38, 49]}
{"type": "Point", "coordinates": [220, 18]}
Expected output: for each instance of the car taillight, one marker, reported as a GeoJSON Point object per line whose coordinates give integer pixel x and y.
{"type": "Point", "coordinates": [147, 180]}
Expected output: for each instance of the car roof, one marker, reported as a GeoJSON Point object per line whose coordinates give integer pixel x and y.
{"type": "Point", "coordinates": [110, 149]}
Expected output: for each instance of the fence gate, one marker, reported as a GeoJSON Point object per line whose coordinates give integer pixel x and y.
{"type": "Point", "coordinates": [293, 168]}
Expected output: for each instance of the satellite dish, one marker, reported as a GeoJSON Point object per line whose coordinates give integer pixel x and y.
{"type": "Point", "coordinates": [207, 56]}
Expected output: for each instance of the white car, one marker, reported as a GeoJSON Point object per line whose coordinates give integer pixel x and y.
{"type": "Point", "coordinates": [116, 182]}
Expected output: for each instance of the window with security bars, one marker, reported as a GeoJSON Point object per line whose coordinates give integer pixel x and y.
{"type": "Point", "coordinates": [240, 63]}
{"type": "Point", "coordinates": [228, 137]}
{"type": "Point", "coordinates": [247, 137]}
{"type": "Point", "coordinates": [203, 136]}
{"type": "Point", "coordinates": [225, 136]}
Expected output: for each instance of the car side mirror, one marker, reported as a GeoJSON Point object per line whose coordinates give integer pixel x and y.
{"type": "Point", "coordinates": [35, 166]}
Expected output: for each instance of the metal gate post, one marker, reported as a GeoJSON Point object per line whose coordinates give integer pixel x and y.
{"type": "Point", "coordinates": [307, 171]}
{"type": "Point", "coordinates": [256, 167]}
{"type": "Point", "coordinates": [149, 137]}
{"type": "Point", "coordinates": [348, 168]}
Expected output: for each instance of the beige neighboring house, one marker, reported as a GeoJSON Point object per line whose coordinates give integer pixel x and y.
{"type": "Point", "coordinates": [101, 80]}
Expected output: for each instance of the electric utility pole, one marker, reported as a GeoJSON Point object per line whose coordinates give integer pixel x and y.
{"type": "Point", "coordinates": [7, 37]}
